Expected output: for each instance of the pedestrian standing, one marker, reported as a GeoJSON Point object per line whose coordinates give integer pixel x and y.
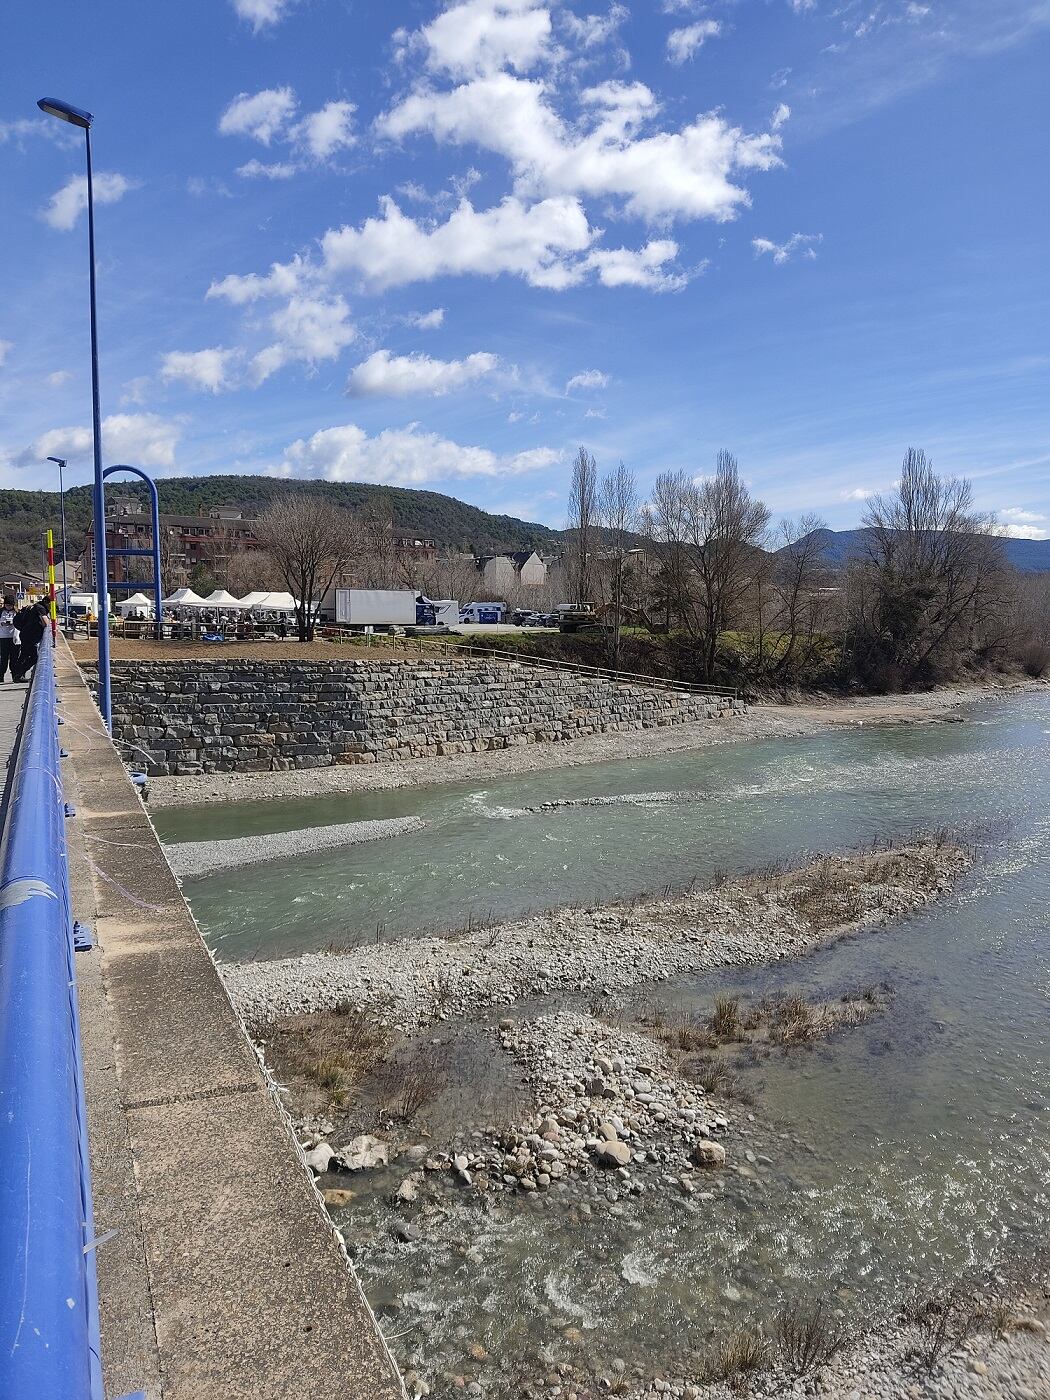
{"type": "Point", "coordinates": [8, 639]}
{"type": "Point", "coordinates": [31, 624]}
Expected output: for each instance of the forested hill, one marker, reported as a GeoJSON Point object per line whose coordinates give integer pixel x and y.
{"type": "Point", "coordinates": [26, 515]}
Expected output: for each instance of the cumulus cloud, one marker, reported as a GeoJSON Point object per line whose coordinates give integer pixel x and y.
{"type": "Point", "coordinates": [140, 439]}
{"type": "Point", "coordinates": [59, 377]}
{"type": "Point", "coordinates": [405, 456]}
{"type": "Point", "coordinates": [326, 131]}
{"type": "Point", "coordinates": [683, 43]}
{"type": "Point", "coordinates": [588, 379]}
{"type": "Point", "coordinates": [480, 36]}
{"type": "Point", "coordinates": [260, 115]}
{"type": "Point", "coordinates": [211, 370]}
{"type": "Point", "coordinates": [801, 244]}
{"type": "Point", "coordinates": [428, 320]}
{"type": "Point", "coordinates": [780, 116]}
{"type": "Point", "coordinates": [259, 170]}
{"type": "Point", "coordinates": [855, 493]}
{"type": "Point", "coordinates": [1021, 524]}
{"type": "Point", "coordinates": [639, 267]}
{"type": "Point", "coordinates": [262, 13]}
{"type": "Point", "coordinates": [658, 176]}
{"type": "Point", "coordinates": [529, 241]}
{"type": "Point", "coordinates": [383, 373]}
{"type": "Point", "coordinates": [282, 280]}
{"type": "Point", "coordinates": [66, 205]}
{"type": "Point", "coordinates": [308, 329]}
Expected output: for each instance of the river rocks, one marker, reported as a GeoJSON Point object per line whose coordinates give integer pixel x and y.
{"type": "Point", "coordinates": [408, 1191]}
{"type": "Point", "coordinates": [319, 1158]}
{"type": "Point", "coordinates": [337, 1197]}
{"type": "Point", "coordinates": [362, 1154]}
{"type": "Point", "coordinates": [612, 1154]}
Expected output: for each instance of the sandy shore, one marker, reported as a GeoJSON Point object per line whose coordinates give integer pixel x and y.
{"type": "Point", "coordinates": [194, 858]}
{"type": "Point", "coordinates": [760, 722]}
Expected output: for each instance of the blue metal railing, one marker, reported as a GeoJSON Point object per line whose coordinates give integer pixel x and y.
{"type": "Point", "coordinates": [49, 1324]}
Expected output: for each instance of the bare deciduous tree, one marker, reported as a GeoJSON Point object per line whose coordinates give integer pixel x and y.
{"type": "Point", "coordinates": [932, 579]}
{"type": "Point", "coordinates": [799, 571]}
{"type": "Point", "coordinates": [583, 508]}
{"type": "Point", "coordinates": [618, 516]}
{"type": "Point", "coordinates": [309, 542]}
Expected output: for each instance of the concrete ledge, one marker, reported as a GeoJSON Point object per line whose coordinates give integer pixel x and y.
{"type": "Point", "coordinates": [225, 1279]}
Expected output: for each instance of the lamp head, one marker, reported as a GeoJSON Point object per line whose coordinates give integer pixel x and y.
{"type": "Point", "coordinates": [55, 107]}
{"type": "Point", "coordinates": [58, 461]}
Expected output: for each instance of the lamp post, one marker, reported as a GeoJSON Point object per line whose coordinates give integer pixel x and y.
{"type": "Point", "coordinates": [66, 113]}
{"type": "Point", "coordinates": [61, 464]}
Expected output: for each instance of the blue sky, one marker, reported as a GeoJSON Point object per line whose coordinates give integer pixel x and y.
{"type": "Point", "coordinates": [443, 245]}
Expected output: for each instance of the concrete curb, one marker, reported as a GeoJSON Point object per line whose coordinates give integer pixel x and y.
{"type": "Point", "coordinates": [226, 1278]}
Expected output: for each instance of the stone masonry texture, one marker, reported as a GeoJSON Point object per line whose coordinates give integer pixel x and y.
{"type": "Point", "coordinates": [233, 716]}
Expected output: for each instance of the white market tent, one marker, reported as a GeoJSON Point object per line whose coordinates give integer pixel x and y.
{"type": "Point", "coordinates": [277, 602]}
{"type": "Point", "coordinates": [221, 599]}
{"type": "Point", "coordinates": [136, 603]}
{"type": "Point", "coordinates": [254, 600]}
{"type": "Point", "coordinates": [183, 598]}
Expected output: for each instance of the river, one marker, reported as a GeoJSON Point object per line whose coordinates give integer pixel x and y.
{"type": "Point", "coordinates": [911, 1148]}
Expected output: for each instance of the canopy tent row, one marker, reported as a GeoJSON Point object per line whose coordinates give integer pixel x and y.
{"type": "Point", "coordinates": [138, 605]}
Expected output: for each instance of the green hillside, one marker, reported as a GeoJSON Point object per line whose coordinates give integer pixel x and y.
{"type": "Point", "coordinates": [26, 515]}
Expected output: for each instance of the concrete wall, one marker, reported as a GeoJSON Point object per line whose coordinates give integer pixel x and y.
{"type": "Point", "coordinates": [255, 716]}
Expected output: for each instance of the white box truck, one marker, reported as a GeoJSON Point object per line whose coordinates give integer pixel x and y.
{"type": "Point", "coordinates": [375, 607]}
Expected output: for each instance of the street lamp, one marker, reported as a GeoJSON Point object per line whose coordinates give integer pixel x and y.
{"type": "Point", "coordinates": [61, 464]}
{"type": "Point", "coordinates": [66, 113]}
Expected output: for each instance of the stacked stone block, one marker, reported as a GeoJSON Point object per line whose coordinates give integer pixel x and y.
{"type": "Point", "coordinates": [230, 716]}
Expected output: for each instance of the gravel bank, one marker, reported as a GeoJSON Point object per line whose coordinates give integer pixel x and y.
{"type": "Point", "coordinates": [762, 722]}
{"type": "Point", "coordinates": [610, 948]}
{"type": "Point", "coordinates": [189, 858]}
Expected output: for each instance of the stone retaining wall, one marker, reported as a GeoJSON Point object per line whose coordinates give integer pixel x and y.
{"type": "Point", "coordinates": [254, 716]}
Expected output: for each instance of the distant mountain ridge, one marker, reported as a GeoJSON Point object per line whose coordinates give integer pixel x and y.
{"type": "Point", "coordinates": [26, 515]}
{"type": "Point", "coordinates": [840, 546]}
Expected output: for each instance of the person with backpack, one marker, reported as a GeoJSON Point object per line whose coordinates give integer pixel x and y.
{"type": "Point", "coordinates": [31, 624]}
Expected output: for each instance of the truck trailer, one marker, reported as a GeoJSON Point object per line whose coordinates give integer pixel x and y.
{"type": "Point", "coordinates": [375, 607]}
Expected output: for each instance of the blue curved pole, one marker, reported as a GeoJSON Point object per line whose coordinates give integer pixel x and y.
{"type": "Point", "coordinates": [153, 552]}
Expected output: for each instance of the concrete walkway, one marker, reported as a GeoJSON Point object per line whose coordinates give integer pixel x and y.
{"type": "Point", "coordinates": [12, 704]}
{"type": "Point", "coordinates": [225, 1279]}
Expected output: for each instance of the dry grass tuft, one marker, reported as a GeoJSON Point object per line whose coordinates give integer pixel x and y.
{"type": "Point", "coordinates": [808, 1337]}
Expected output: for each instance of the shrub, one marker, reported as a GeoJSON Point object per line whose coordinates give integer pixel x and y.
{"type": "Point", "coordinates": [808, 1337]}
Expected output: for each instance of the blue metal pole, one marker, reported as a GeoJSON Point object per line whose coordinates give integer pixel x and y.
{"type": "Point", "coordinates": [101, 570]}
{"type": "Point", "coordinates": [48, 1293]}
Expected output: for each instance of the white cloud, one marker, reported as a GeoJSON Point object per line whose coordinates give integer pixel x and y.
{"type": "Point", "coordinates": [401, 457]}
{"type": "Point", "coordinates": [801, 6]}
{"type": "Point", "coordinates": [383, 373]}
{"type": "Point", "coordinates": [139, 439]}
{"type": "Point", "coordinates": [259, 170]}
{"type": "Point", "coordinates": [663, 175]}
{"type": "Point", "coordinates": [481, 36]}
{"type": "Point", "coordinates": [260, 115]}
{"type": "Point", "coordinates": [428, 320]}
{"type": "Point", "coordinates": [683, 43]}
{"type": "Point", "coordinates": [1024, 524]}
{"type": "Point", "coordinates": [641, 267]}
{"type": "Point", "coordinates": [282, 280]}
{"type": "Point", "coordinates": [6, 346]}
{"type": "Point", "coordinates": [326, 131]}
{"type": "Point", "coordinates": [801, 243]}
{"type": "Point", "coordinates": [309, 329]}
{"type": "Point", "coordinates": [261, 13]}
{"type": "Point", "coordinates": [588, 379]}
{"type": "Point", "coordinates": [210, 370]}
{"type": "Point", "coordinates": [529, 241]}
{"type": "Point", "coordinates": [59, 378]}
{"type": "Point", "coordinates": [592, 30]}
{"type": "Point", "coordinates": [780, 116]}
{"type": "Point", "coordinates": [66, 205]}
{"type": "Point", "coordinates": [856, 493]}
